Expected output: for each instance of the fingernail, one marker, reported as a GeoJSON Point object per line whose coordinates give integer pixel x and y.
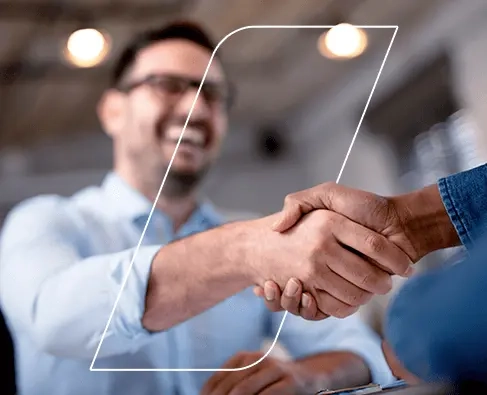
{"type": "Point", "coordinates": [305, 300]}
{"type": "Point", "coordinates": [269, 293]}
{"type": "Point", "coordinates": [292, 287]}
{"type": "Point", "coordinates": [409, 272]}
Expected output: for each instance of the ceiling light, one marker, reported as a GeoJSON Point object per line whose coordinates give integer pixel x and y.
{"type": "Point", "coordinates": [343, 41]}
{"type": "Point", "coordinates": [86, 47]}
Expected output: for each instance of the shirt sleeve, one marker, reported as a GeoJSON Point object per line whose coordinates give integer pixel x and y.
{"type": "Point", "coordinates": [302, 338]}
{"type": "Point", "coordinates": [465, 198]}
{"type": "Point", "coordinates": [61, 299]}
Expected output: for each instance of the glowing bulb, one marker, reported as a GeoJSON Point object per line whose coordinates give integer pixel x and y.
{"type": "Point", "coordinates": [342, 41]}
{"type": "Point", "coordinates": [86, 47]}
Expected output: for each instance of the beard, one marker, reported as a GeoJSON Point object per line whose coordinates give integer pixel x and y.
{"type": "Point", "coordinates": [152, 168]}
{"type": "Point", "coordinates": [180, 184]}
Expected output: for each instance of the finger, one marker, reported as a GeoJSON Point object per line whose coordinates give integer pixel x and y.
{"type": "Point", "coordinates": [272, 294]}
{"type": "Point", "coordinates": [291, 297]}
{"type": "Point", "coordinates": [373, 245]}
{"type": "Point", "coordinates": [258, 291]}
{"type": "Point", "coordinates": [256, 382]}
{"type": "Point", "coordinates": [338, 286]}
{"type": "Point", "coordinates": [288, 217]}
{"type": "Point", "coordinates": [309, 308]}
{"type": "Point", "coordinates": [227, 382]}
{"type": "Point", "coordinates": [213, 382]}
{"type": "Point", "coordinates": [231, 379]}
{"type": "Point", "coordinates": [300, 203]}
{"type": "Point", "coordinates": [280, 387]}
{"type": "Point", "coordinates": [331, 306]}
{"type": "Point", "coordinates": [360, 272]}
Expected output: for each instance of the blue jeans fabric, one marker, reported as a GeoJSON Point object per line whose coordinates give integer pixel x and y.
{"type": "Point", "coordinates": [437, 323]}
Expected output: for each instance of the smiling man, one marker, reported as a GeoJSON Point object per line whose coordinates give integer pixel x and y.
{"type": "Point", "coordinates": [187, 302]}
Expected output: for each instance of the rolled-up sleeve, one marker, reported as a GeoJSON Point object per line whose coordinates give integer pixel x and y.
{"type": "Point", "coordinates": [465, 198]}
{"type": "Point", "coordinates": [302, 338]}
{"type": "Point", "coordinates": [62, 299]}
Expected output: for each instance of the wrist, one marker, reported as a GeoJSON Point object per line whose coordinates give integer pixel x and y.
{"type": "Point", "coordinates": [425, 220]}
{"type": "Point", "coordinates": [252, 245]}
{"type": "Point", "coordinates": [239, 249]}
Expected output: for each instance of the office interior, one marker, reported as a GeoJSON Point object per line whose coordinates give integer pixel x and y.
{"type": "Point", "coordinates": [412, 100]}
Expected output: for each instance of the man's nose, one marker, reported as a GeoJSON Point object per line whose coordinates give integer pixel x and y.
{"type": "Point", "coordinates": [190, 100]}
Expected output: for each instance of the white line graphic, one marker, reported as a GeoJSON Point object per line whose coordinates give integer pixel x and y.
{"type": "Point", "coordinates": [395, 27]}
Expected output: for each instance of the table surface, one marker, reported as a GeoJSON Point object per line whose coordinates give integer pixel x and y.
{"type": "Point", "coordinates": [427, 389]}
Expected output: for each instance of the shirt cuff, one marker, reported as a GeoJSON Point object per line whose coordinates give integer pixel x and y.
{"type": "Point", "coordinates": [130, 276]}
{"type": "Point", "coordinates": [464, 196]}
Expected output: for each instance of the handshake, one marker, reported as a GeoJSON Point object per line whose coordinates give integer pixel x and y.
{"type": "Point", "coordinates": [331, 248]}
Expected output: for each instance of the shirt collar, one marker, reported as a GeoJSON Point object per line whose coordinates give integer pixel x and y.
{"type": "Point", "coordinates": [130, 203]}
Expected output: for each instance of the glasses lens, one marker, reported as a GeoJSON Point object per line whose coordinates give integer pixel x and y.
{"type": "Point", "coordinates": [171, 85]}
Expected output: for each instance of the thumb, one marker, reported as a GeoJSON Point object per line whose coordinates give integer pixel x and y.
{"type": "Point", "coordinates": [287, 218]}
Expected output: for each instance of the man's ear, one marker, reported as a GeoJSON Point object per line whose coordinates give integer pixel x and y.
{"type": "Point", "coordinates": [111, 112]}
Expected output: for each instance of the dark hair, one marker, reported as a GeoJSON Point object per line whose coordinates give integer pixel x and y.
{"type": "Point", "coordinates": [186, 30]}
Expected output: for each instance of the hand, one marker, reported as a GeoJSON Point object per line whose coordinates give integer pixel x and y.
{"type": "Point", "coordinates": [268, 377]}
{"type": "Point", "coordinates": [416, 222]}
{"type": "Point", "coordinates": [375, 212]}
{"type": "Point", "coordinates": [330, 255]}
{"type": "Point", "coordinates": [298, 303]}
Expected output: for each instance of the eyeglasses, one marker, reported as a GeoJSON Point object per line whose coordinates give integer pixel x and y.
{"type": "Point", "coordinates": [169, 85]}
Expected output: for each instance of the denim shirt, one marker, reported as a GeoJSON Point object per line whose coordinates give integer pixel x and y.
{"type": "Point", "coordinates": [437, 323]}
{"type": "Point", "coordinates": [63, 261]}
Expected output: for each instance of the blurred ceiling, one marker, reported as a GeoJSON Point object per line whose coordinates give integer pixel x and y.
{"type": "Point", "coordinates": [276, 70]}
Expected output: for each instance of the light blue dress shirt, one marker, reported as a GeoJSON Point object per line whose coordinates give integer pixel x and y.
{"type": "Point", "coordinates": [62, 264]}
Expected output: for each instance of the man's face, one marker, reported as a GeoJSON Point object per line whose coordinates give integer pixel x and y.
{"type": "Point", "coordinates": [165, 79]}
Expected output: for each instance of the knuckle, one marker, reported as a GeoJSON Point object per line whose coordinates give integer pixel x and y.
{"type": "Point", "coordinates": [329, 185]}
{"type": "Point", "coordinates": [290, 198]}
{"type": "Point", "coordinates": [379, 284]}
{"type": "Point", "coordinates": [312, 261]}
{"type": "Point", "coordinates": [307, 274]}
{"type": "Point", "coordinates": [375, 243]}
{"type": "Point", "coordinates": [359, 298]}
{"type": "Point", "coordinates": [328, 216]}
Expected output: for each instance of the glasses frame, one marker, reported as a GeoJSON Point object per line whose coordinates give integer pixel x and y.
{"type": "Point", "coordinates": [226, 95]}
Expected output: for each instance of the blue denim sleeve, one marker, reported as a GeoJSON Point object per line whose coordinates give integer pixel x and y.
{"type": "Point", "coordinates": [437, 322]}
{"type": "Point", "coordinates": [465, 198]}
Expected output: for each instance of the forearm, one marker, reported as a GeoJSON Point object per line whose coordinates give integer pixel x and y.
{"type": "Point", "coordinates": [447, 214]}
{"type": "Point", "coordinates": [334, 370]}
{"type": "Point", "coordinates": [194, 274]}
{"type": "Point", "coordinates": [426, 220]}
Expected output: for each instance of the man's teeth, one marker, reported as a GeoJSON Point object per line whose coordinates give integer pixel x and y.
{"type": "Point", "coordinates": [194, 138]}
{"type": "Point", "coordinates": [191, 137]}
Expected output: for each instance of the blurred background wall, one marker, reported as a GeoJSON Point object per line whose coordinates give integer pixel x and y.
{"type": "Point", "coordinates": [296, 112]}
{"type": "Point", "coordinates": [290, 96]}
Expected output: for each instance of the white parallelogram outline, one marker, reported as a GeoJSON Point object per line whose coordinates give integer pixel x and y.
{"type": "Point", "coordinates": [395, 27]}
